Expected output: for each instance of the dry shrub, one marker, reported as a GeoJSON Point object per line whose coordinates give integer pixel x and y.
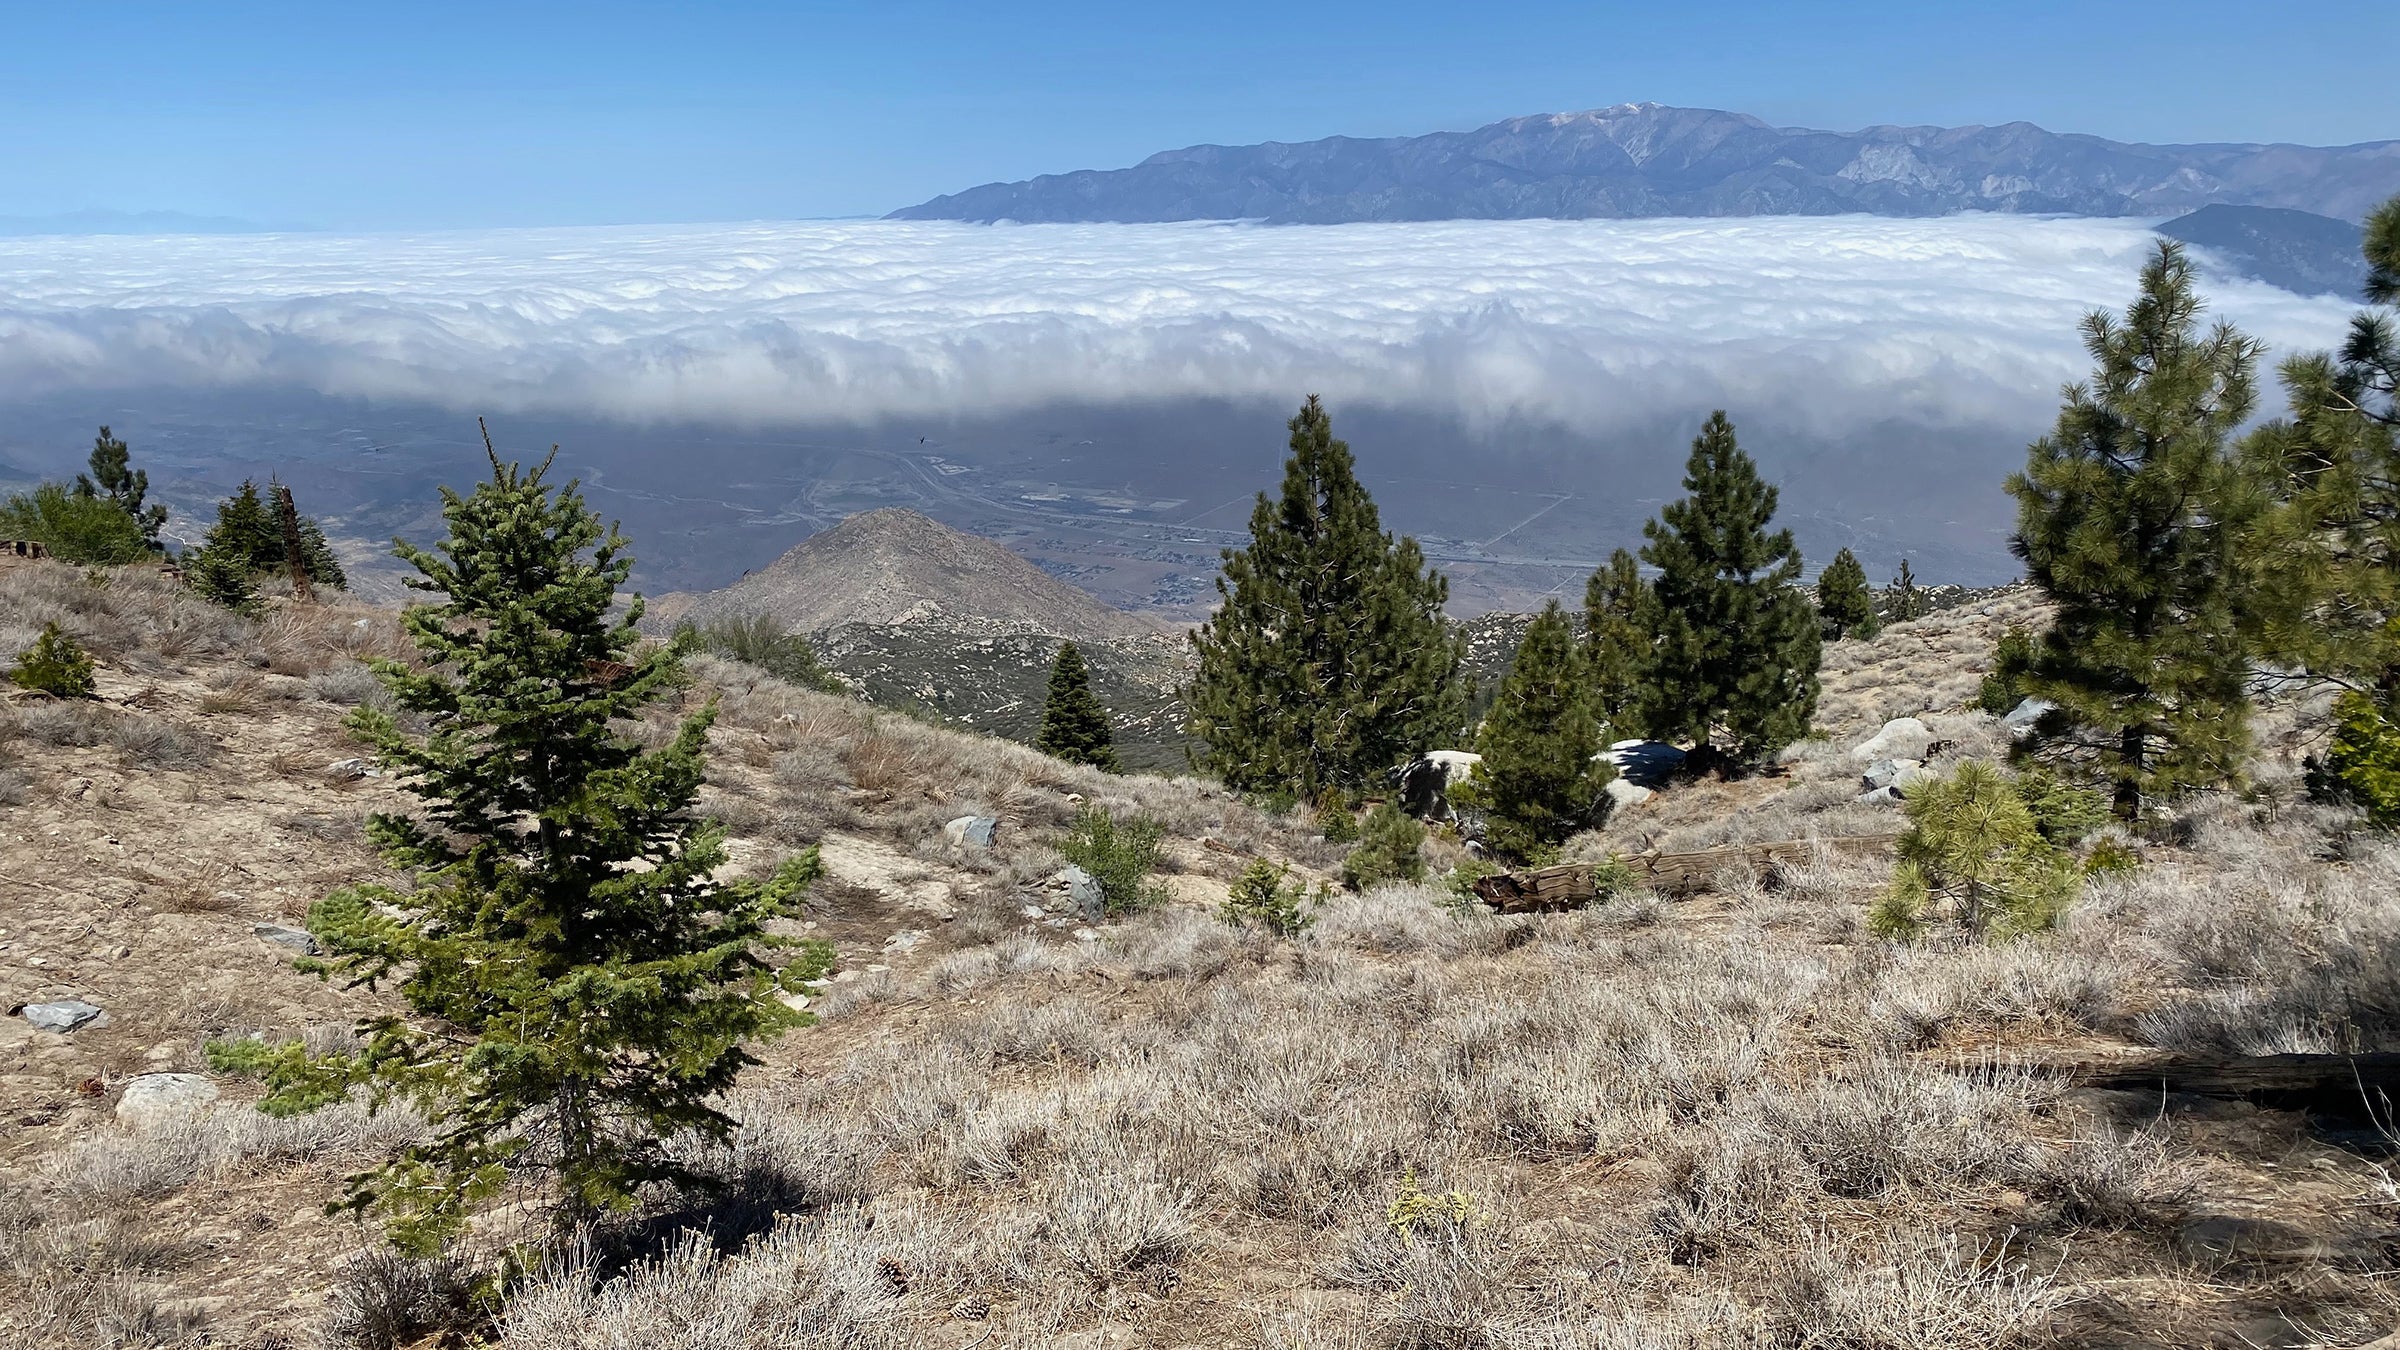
{"type": "Point", "coordinates": [119, 1167]}
{"type": "Point", "coordinates": [814, 1282]}
{"type": "Point", "coordinates": [1953, 1296]}
{"type": "Point", "coordinates": [1110, 1214]}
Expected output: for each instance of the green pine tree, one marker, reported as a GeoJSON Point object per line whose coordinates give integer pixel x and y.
{"type": "Point", "coordinates": [1903, 598]}
{"type": "Point", "coordinates": [2130, 516]}
{"type": "Point", "coordinates": [114, 480]}
{"type": "Point", "coordinates": [248, 536]}
{"type": "Point", "coordinates": [221, 577]}
{"type": "Point", "coordinates": [579, 990]}
{"type": "Point", "coordinates": [1736, 666]}
{"type": "Point", "coordinates": [1328, 660]}
{"type": "Point", "coordinates": [2326, 556]}
{"type": "Point", "coordinates": [1620, 626]}
{"type": "Point", "coordinates": [1844, 603]}
{"type": "Point", "coordinates": [1539, 780]}
{"type": "Point", "coordinates": [1075, 727]}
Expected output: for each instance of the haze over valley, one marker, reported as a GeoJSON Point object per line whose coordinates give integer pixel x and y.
{"type": "Point", "coordinates": [1105, 398]}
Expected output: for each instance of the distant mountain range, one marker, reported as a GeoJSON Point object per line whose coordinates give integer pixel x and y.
{"type": "Point", "coordinates": [1643, 160]}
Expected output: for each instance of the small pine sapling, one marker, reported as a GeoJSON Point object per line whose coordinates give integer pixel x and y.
{"type": "Point", "coordinates": [1389, 849]}
{"type": "Point", "coordinates": [1267, 895]}
{"type": "Point", "coordinates": [56, 664]}
{"type": "Point", "coordinates": [1972, 842]}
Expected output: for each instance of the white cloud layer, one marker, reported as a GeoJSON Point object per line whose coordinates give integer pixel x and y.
{"type": "Point", "coordinates": [1816, 324]}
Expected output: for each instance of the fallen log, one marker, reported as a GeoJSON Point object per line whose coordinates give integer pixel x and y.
{"type": "Point", "coordinates": [1573, 885]}
{"type": "Point", "coordinates": [2330, 1084]}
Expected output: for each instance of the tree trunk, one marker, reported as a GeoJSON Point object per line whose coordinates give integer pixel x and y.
{"type": "Point", "coordinates": [2132, 748]}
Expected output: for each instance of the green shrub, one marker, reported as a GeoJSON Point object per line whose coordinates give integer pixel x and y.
{"type": "Point", "coordinates": [1266, 894]}
{"type": "Point", "coordinates": [755, 639]}
{"type": "Point", "coordinates": [2063, 812]}
{"type": "Point", "coordinates": [1120, 855]}
{"type": "Point", "coordinates": [1460, 882]}
{"type": "Point", "coordinates": [2110, 855]}
{"type": "Point", "coordinates": [2363, 764]}
{"type": "Point", "coordinates": [1336, 818]}
{"type": "Point", "coordinates": [73, 527]}
{"type": "Point", "coordinates": [2002, 689]}
{"type": "Point", "coordinates": [55, 664]}
{"type": "Point", "coordinates": [1388, 849]}
{"type": "Point", "coordinates": [1972, 840]}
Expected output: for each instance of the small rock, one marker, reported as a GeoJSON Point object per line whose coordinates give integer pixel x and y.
{"type": "Point", "coordinates": [904, 940]}
{"type": "Point", "coordinates": [353, 768]}
{"type": "Point", "coordinates": [1900, 738]}
{"type": "Point", "coordinates": [1033, 912]}
{"type": "Point", "coordinates": [1086, 935]}
{"type": "Point", "coordinates": [1074, 799]}
{"type": "Point", "coordinates": [156, 1098]}
{"type": "Point", "coordinates": [795, 1002]}
{"type": "Point", "coordinates": [977, 832]}
{"type": "Point", "coordinates": [64, 1015]}
{"type": "Point", "coordinates": [282, 935]}
{"type": "Point", "coordinates": [844, 976]}
{"type": "Point", "coordinates": [1882, 796]}
{"type": "Point", "coordinates": [1885, 772]}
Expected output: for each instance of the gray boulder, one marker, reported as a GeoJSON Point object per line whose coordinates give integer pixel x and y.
{"type": "Point", "coordinates": [1900, 738]}
{"type": "Point", "coordinates": [282, 935]}
{"type": "Point", "coordinates": [1625, 792]}
{"type": "Point", "coordinates": [2021, 719]}
{"type": "Point", "coordinates": [1083, 891]}
{"type": "Point", "coordinates": [155, 1099]}
{"type": "Point", "coordinates": [64, 1015]}
{"type": "Point", "coordinates": [972, 831]}
{"type": "Point", "coordinates": [1882, 796]}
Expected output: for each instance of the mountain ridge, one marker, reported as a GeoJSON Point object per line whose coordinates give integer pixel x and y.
{"type": "Point", "coordinates": [1646, 160]}
{"type": "Point", "coordinates": [896, 567]}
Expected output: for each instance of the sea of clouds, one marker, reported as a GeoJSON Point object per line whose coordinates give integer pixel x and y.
{"type": "Point", "coordinates": [1815, 324]}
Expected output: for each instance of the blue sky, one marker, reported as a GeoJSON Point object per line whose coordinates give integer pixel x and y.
{"type": "Point", "coordinates": [424, 115]}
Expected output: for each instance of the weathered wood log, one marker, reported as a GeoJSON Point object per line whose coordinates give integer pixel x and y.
{"type": "Point", "coordinates": [1572, 885]}
{"type": "Point", "coordinates": [2333, 1084]}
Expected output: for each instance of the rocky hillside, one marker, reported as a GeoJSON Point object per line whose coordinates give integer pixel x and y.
{"type": "Point", "coordinates": [996, 683]}
{"type": "Point", "coordinates": [897, 567]}
{"type": "Point", "coordinates": [1643, 160]}
{"type": "Point", "coordinates": [1730, 1118]}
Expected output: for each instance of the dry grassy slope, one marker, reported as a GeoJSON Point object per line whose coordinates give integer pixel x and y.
{"type": "Point", "coordinates": [895, 566]}
{"type": "Point", "coordinates": [1737, 1121]}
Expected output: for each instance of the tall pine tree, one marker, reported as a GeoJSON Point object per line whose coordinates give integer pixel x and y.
{"type": "Point", "coordinates": [2326, 558]}
{"type": "Point", "coordinates": [1539, 781]}
{"type": "Point", "coordinates": [1075, 727]}
{"type": "Point", "coordinates": [1843, 600]}
{"type": "Point", "coordinates": [1620, 626]}
{"type": "Point", "coordinates": [248, 538]}
{"type": "Point", "coordinates": [114, 479]}
{"type": "Point", "coordinates": [1736, 665]}
{"type": "Point", "coordinates": [2129, 516]}
{"type": "Point", "coordinates": [1328, 660]}
{"type": "Point", "coordinates": [580, 988]}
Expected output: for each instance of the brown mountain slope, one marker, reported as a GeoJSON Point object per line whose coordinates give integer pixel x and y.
{"type": "Point", "coordinates": [895, 566]}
